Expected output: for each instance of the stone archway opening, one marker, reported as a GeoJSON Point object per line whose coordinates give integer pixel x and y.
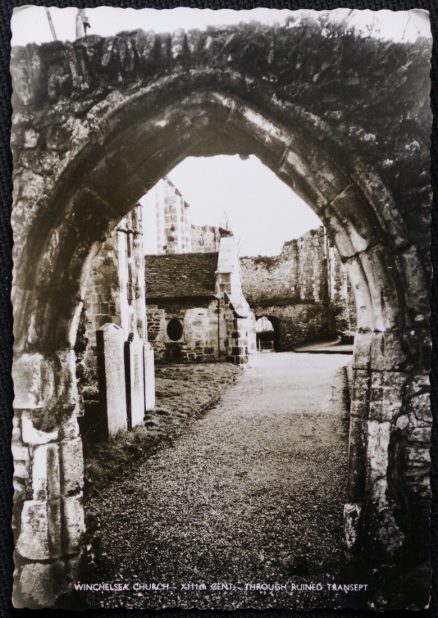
{"type": "Point", "coordinates": [124, 143]}
{"type": "Point", "coordinates": [89, 215]}
{"type": "Point", "coordinates": [267, 334]}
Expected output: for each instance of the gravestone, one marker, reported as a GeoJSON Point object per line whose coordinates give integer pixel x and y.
{"type": "Point", "coordinates": [135, 380]}
{"type": "Point", "coordinates": [149, 377]}
{"type": "Point", "coordinates": [110, 341]}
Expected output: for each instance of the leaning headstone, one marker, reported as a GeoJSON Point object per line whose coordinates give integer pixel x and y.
{"type": "Point", "coordinates": [149, 377]}
{"type": "Point", "coordinates": [110, 343]}
{"type": "Point", "coordinates": [134, 380]}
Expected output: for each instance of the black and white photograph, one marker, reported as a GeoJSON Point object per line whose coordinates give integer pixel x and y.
{"type": "Point", "coordinates": [221, 303]}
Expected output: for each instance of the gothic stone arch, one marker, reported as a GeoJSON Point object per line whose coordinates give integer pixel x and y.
{"type": "Point", "coordinates": [97, 122]}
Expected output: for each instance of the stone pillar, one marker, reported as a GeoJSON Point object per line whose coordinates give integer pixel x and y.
{"type": "Point", "coordinates": [48, 520]}
{"type": "Point", "coordinates": [138, 273]}
{"type": "Point", "coordinates": [111, 377]}
{"type": "Point", "coordinates": [389, 445]}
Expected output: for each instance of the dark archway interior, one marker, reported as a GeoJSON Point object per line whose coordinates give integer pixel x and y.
{"type": "Point", "coordinates": [268, 338]}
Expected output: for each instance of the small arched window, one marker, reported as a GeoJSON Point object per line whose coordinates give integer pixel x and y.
{"type": "Point", "coordinates": [174, 329]}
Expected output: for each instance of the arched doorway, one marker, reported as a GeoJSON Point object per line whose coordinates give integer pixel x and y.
{"type": "Point", "coordinates": [118, 141]}
{"type": "Point", "coordinates": [267, 334]}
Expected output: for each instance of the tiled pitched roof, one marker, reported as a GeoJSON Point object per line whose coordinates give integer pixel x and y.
{"type": "Point", "coordinates": [181, 275]}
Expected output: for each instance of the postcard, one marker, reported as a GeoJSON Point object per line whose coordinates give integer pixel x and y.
{"type": "Point", "coordinates": [221, 294]}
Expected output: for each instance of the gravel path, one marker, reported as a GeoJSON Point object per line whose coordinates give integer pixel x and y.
{"type": "Point", "coordinates": [251, 493]}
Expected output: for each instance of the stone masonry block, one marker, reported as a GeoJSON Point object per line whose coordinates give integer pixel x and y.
{"type": "Point", "coordinates": [360, 393]}
{"type": "Point", "coordinates": [387, 352]}
{"type": "Point", "coordinates": [40, 585]}
{"type": "Point", "coordinates": [351, 210]}
{"type": "Point", "coordinates": [382, 275]}
{"type": "Point", "coordinates": [421, 435]}
{"type": "Point", "coordinates": [33, 436]}
{"type": "Point", "coordinates": [419, 407]}
{"type": "Point", "coordinates": [69, 430]}
{"type": "Point", "coordinates": [72, 462]}
{"type": "Point", "coordinates": [45, 472]}
{"type": "Point", "coordinates": [40, 528]}
{"type": "Point", "coordinates": [378, 436]}
{"type": "Point", "coordinates": [73, 523]}
{"type": "Point", "coordinates": [21, 470]}
{"type": "Point", "coordinates": [67, 391]}
{"type": "Point", "coordinates": [352, 514]}
{"type": "Point", "coordinates": [356, 454]}
{"type": "Point", "coordinates": [386, 395]}
{"type": "Point", "coordinates": [33, 381]}
{"type": "Point", "coordinates": [20, 453]}
{"type": "Point", "coordinates": [362, 350]}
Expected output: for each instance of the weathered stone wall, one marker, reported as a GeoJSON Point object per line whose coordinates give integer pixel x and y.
{"type": "Point", "coordinates": [297, 323]}
{"type": "Point", "coordinates": [173, 223]}
{"type": "Point", "coordinates": [340, 293]}
{"type": "Point", "coordinates": [343, 118]}
{"type": "Point", "coordinates": [203, 336]}
{"type": "Point", "coordinates": [173, 228]}
{"type": "Point", "coordinates": [206, 238]}
{"type": "Point", "coordinates": [213, 329]}
{"type": "Point", "coordinates": [211, 332]}
{"type": "Point", "coordinates": [305, 287]}
{"type": "Point", "coordinates": [114, 292]}
{"type": "Point", "coordinates": [48, 520]}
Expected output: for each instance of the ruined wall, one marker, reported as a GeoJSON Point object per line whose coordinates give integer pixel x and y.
{"type": "Point", "coordinates": [173, 223]}
{"type": "Point", "coordinates": [340, 293]}
{"type": "Point", "coordinates": [305, 287]}
{"type": "Point", "coordinates": [115, 287]}
{"type": "Point", "coordinates": [114, 294]}
{"type": "Point", "coordinates": [172, 228]}
{"type": "Point", "coordinates": [296, 323]}
{"type": "Point", "coordinates": [206, 238]}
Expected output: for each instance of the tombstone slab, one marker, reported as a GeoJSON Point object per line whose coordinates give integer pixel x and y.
{"type": "Point", "coordinates": [135, 381]}
{"type": "Point", "coordinates": [149, 377]}
{"type": "Point", "coordinates": [110, 342]}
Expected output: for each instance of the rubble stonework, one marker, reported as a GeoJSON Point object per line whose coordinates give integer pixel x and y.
{"type": "Point", "coordinates": [98, 121]}
{"type": "Point", "coordinates": [305, 288]}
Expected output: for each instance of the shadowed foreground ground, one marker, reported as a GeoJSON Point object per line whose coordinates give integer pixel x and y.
{"type": "Point", "coordinates": [251, 493]}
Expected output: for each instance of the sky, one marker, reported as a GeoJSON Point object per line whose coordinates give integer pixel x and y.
{"type": "Point", "coordinates": [261, 210]}
{"type": "Point", "coordinates": [30, 23]}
